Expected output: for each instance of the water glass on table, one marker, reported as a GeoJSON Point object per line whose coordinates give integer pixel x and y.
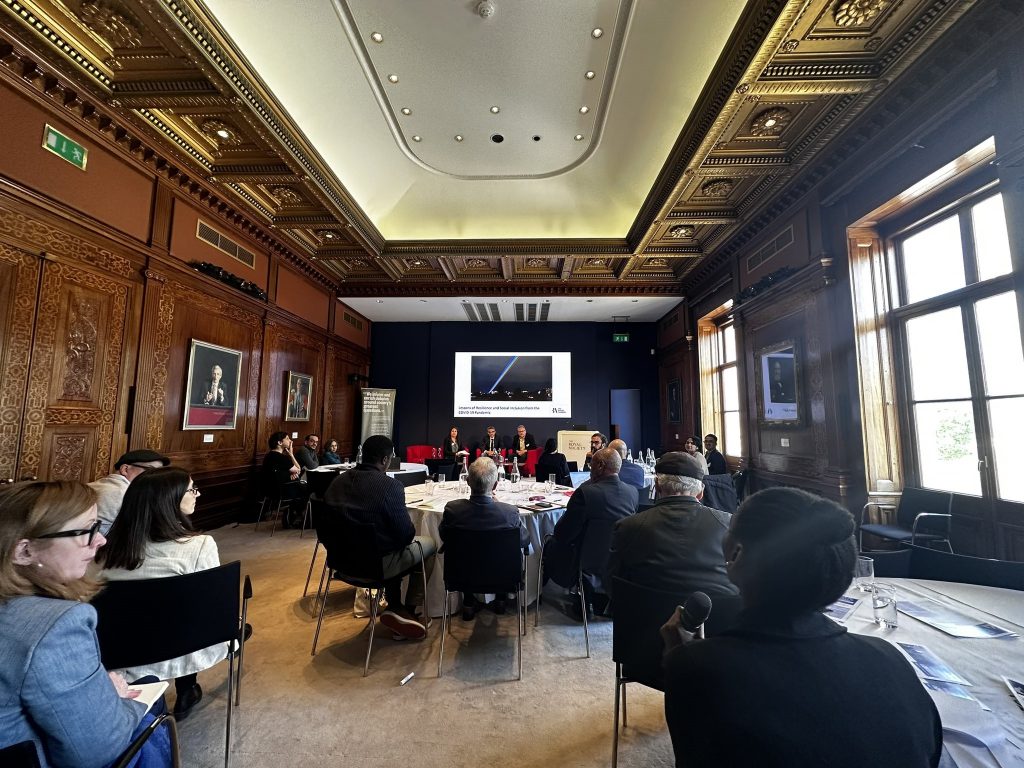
{"type": "Point", "coordinates": [864, 576]}
{"type": "Point", "coordinates": [551, 483]}
{"type": "Point", "coordinates": [428, 486]}
{"type": "Point", "coordinates": [883, 605]}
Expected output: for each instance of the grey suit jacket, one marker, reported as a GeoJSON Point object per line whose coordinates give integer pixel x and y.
{"type": "Point", "coordinates": [482, 513]}
{"type": "Point", "coordinates": [53, 688]}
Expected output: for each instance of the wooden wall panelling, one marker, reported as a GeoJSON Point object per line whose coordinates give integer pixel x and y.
{"type": "Point", "coordinates": [290, 347]}
{"type": "Point", "coordinates": [677, 362]}
{"type": "Point", "coordinates": [81, 355]}
{"type": "Point", "coordinates": [341, 396]}
{"type": "Point", "coordinates": [19, 285]}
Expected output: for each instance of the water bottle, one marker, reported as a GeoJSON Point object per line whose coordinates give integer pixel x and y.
{"type": "Point", "coordinates": [464, 475]}
{"type": "Point", "coordinates": [359, 455]}
{"type": "Point", "coordinates": [629, 455]}
{"type": "Point", "coordinates": [501, 469]}
{"type": "Point", "coordinates": [515, 473]}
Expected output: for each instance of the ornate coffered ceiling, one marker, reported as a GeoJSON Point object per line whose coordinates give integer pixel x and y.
{"type": "Point", "coordinates": [282, 117]}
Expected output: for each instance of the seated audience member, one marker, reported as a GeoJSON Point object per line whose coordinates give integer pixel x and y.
{"type": "Point", "coordinates": [630, 473]}
{"type": "Point", "coordinates": [110, 489]}
{"type": "Point", "coordinates": [787, 686]}
{"type": "Point", "coordinates": [306, 455]}
{"type": "Point", "coordinates": [490, 446]}
{"type": "Point", "coordinates": [597, 442]}
{"type": "Point", "coordinates": [480, 512]}
{"type": "Point", "coordinates": [692, 447]}
{"type": "Point", "coordinates": [522, 443]}
{"type": "Point", "coordinates": [151, 539]}
{"type": "Point", "coordinates": [330, 454]}
{"type": "Point", "coordinates": [54, 690]}
{"type": "Point", "coordinates": [552, 463]}
{"type": "Point", "coordinates": [675, 545]}
{"type": "Point", "coordinates": [715, 459]}
{"type": "Point", "coordinates": [280, 467]}
{"type": "Point", "coordinates": [603, 497]}
{"type": "Point", "coordinates": [367, 495]}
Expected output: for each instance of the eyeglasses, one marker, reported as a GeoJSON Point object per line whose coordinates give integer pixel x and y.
{"type": "Point", "coordinates": [91, 532]}
{"type": "Point", "coordinates": [194, 490]}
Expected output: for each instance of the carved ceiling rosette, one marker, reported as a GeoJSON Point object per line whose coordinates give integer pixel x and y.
{"type": "Point", "coordinates": [856, 13]}
{"type": "Point", "coordinates": [536, 263]}
{"type": "Point", "coordinates": [112, 22]}
{"type": "Point", "coordinates": [681, 231]}
{"type": "Point", "coordinates": [476, 263]}
{"type": "Point", "coordinates": [771, 122]}
{"type": "Point", "coordinates": [284, 196]}
{"type": "Point", "coordinates": [596, 262]}
{"type": "Point", "coordinates": [717, 188]}
{"type": "Point", "coordinates": [223, 134]}
{"type": "Point", "coordinates": [659, 262]}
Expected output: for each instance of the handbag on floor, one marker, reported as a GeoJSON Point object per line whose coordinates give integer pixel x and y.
{"type": "Point", "coordinates": [364, 600]}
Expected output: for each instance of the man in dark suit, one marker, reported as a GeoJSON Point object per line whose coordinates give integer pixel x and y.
{"type": "Point", "coordinates": [367, 495]}
{"type": "Point", "coordinates": [631, 474]}
{"type": "Point", "coordinates": [675, 545]}
{"type": "Point", "coordinates": [716, 461]}
{"type": "Point", "coordinates": [602, 499]}
{"type": "Point", "coordinates": [490, 446]}
{"type": "Point", "coordinates": [480, 512]}
{"type": "Point", "coordinates": [523, 442]}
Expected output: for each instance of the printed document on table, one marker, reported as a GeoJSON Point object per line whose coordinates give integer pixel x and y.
{"type": "Point", "coordinates": [930, 665]}
{"type": "Point", "coordinates": [842, 608]}
{"type": "Point", "coordinates": [948, 620]}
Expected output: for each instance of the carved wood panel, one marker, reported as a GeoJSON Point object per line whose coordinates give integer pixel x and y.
{"type": "Point", "coordinates": [340, 398]}
{"type": "Point", "coordinates": [74, 380]}
{"type": "Point", "coordinates": [19, 283]}
{"type": "Point", "coordinates": [287, 348]}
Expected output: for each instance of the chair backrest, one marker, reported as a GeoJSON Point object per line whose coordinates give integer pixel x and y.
{"type": "Point", "coordinates": [596, 546]}
{"type": "Point", "coordinates": [574, 466]}
{"type": "Point", "coordinates": [20, 755]}
{"type": "Point", "coordinates": [934, 564]}
{"type": "Point", "coordinates": [351, 547]}
{"type": "Point", "coordinates": [412, 478]}
{"type": "Point", "coordinates": [739, 483]}
{"type": "Point", "coordinates": [892, 565]}
{"type": "Point", "coordinates": [416, 454]}
{"type": "Point", "coordinates": [482, 561]}
{"type": "Point", "coordinates": [637, 616]}
{"type": "Point", "coordinates": [317, 482]}
{"type": "Point", "coordinates": [720, 493]}
{"type": "Point", "coordinates": [531, 460]}
{"type": "Point", "coordinates": [913, 501]}
{"type": "Point", "coordinates": [152, 620]}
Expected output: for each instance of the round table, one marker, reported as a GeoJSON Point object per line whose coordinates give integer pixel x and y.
{"type": "Point", "coordinates": [426, 512]}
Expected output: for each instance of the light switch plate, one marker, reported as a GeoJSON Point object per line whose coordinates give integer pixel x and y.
{"type": "Point", "coordinates": [295, 435]}
{"type": "Point", "coordinates": [784, 442]}
{"type": "Point", "coordinates": [207, 438]}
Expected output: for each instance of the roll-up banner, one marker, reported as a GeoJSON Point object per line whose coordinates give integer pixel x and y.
{"type": "Point", "coordinates": [378, 408]}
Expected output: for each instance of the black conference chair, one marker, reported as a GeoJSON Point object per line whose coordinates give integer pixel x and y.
{"type": "Point", "coordinates": [936, 565]}
{"type": "Point", "coordinates": [25, 755]}
{"type": "Point", "coordinates": [720, 493]}
{"type": "Point", "coordinates": [892, 564]}
{"type": "Point", "coordinates": [637, 647]}
{"type": "Point", "coordinates": [408, 479]}
{"type": "Point", "coordinates": [354, 558]}
{"type": "Point", "coordinates": [489, 562]}
{"type": "Point", "coordinates": [153, 620]}
{"type": "Point", "coordinates": [317, 509]}
{"type": "Point", "coordinates": [591, 558]}
{"type": "Point", "coordinates": [922, 516]}
{"type": "Point", "coordinates": [282, 499]}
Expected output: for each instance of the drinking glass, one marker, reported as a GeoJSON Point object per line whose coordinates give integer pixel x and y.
{"type": "Point", "coordinates": [551, 483]}
{"type": "Point", "coordinates": [883, 605]}
{"type": "Point", "coordinates": [429, 486]}
{"type": "Point", "coordinates": [864, 576]}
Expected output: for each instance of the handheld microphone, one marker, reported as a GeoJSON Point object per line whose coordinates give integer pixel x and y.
{"type": "Point", "coordinates": [695, 612]}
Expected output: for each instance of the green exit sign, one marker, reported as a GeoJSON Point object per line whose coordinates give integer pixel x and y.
{"type": "Point", "coordinates": [64, 147]}
{"type": "Point", "coordinates": [620, 337]}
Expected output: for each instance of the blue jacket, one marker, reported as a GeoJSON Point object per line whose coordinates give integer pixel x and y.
{"type": "Point", "coordinates": [632, 474]}
{"type": "Point", "coordinates": [53, 687]}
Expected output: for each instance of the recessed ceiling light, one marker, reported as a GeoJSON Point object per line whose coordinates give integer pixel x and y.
{"type": "Point", "coordinates": [589, 75]}
{"type": "Point", "coordinates": [590, 301]}
{"type": "Point", "coordinates": [380, 301]}
{"type": "Point", "coordinates": [495, 110]}
{"type": "Point", "coordinates": [417, 138]}
{"type": "Point", "coordinates": [423, 300]}
{"type": "Point", "coordinates": [458, 137]}
{"type": "Point", "coordinates": [377, 37]}
{"type": "Point", "coordinates": [597, 33]}
{"type": "Point", "coordinates": [584, 110]}
{"type": "Point", "coordinates": [392, 78]}
{"type": "Point", "coordinates": [406, 111]}
{"type": "Point", "coordinates": [771, 121]}
{"type": "Point", "coordinates": [329, 235]}
{"type": "Point", "coordinates": [636, 300]}
{"type": "Point", "coordinates": [578, 137]}
{"type": "Point", "coordinates": [224, 133]}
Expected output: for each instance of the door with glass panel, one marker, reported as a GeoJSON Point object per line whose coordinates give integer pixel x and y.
{"type": "Point", "coordinates": [960, 362]}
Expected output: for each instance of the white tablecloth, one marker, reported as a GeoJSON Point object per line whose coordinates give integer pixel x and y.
{"type": "Point", "coordinates": [979, 661]}
{"type": "Point", "coordinates": [427, 522]}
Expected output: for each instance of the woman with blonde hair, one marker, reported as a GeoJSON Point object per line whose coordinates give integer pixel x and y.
{"type": "Point", "coordinates": [56, 692]}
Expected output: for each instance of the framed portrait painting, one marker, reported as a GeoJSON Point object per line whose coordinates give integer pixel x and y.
{"type": "Point", "coordinates": [777, 374]}
{"type": "Point", "coordinates": [211, 394]}
{"type": "Point", "coordinates": [675, 403]}
{"type": "Point", "coordinates": [298, 396]}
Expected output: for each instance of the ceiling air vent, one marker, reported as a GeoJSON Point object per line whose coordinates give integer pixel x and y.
{"type": "Point", "coordinates": [209, 235]}
{"type": "Point", "coordinates": [527, 313]}
{"type": "Point", "coordinates": [770, 250]}
{"type": "Point", "coordinates": [470, 312]}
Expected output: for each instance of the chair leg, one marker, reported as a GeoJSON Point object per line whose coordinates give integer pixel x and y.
{"type": "Point", "coordinates": [520, 633]}
{"type": "Point", "coordinates": [625, 718]}
{"type": "Point", "coordinates": [323, 605]}
{"type": "Point", "coordinates": [305, 517]}
{"type": "Point", "coordinates": [540, 586]}
{"type": "Point", "coordinates": [615, 732]}
{"type": "Point", "coordinates": [227, 727]}
{"type": "Point", "coordinates": [583, 607]}
{"type": "Point", "coordinates": [324, 573]}
{"type": "Point", "coordinates": [374, 608]}
{"type": "Point", "coordinates": [263, 505]}
{"type": "Point", "coordinates": [276, 518]}
{"type": "Point", "coordinates": [521, 606]}
{"type": "Point", "coordinates": [423, 572]}
{"type": "Point", "coordinates": [445, 625]}
{"type": "Point", "coordinates": [241, 652]}
{"type": "Point", "coordinates": [312, 561]}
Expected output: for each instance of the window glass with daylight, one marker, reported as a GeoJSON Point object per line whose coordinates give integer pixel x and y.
{"type": "Point", "coordinates": [729, 388]}
{"type": "Point", "coordinates": [963, 371]}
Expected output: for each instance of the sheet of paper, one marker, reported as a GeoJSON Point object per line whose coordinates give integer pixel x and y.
{"type": "Point", "coordinates": [948, 620]}
{"type": "Point", "coordinates": [929, 665]}
{"type": "Point", "coordinates": [842, 608]}
{"type": "Point", "coordinates": [149, 693]}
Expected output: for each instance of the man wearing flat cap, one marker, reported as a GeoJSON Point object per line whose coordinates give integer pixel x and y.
{"type": "Point", "coordinates": [111, 488]}
{"type": "Point", "coordinates": [676, 544]}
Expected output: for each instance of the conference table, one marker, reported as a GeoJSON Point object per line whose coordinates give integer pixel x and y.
{"type": "Point", "coordinates": [426, 509]}
{"type": "Point", "coordinates": [980, 661]}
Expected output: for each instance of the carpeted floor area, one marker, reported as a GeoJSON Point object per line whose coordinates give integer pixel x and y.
{"type": "Point", "coordinates": [299, 710]}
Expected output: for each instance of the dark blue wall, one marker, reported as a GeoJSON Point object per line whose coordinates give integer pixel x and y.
{"type": "Point", "coordinates": [418, 359]}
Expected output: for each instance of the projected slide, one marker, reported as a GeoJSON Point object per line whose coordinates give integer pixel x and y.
{"type": "Point", "coordinates": [512, 384]}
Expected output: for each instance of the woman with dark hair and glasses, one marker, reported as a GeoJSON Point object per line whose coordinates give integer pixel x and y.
{"type": "Point", "coordinates": [692, 447]}
{"type": "Point", "coordinates": [786, 685]}
{"type": "Point", "coordinates": [153, 538]}
{"type": "Point", "coordinates": [55, 691]}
